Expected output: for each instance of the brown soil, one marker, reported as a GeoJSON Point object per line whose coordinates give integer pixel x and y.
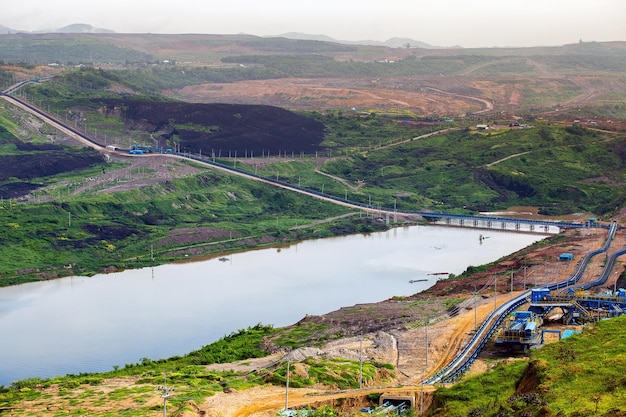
{"type": "Point", "coordinates": [417, 95]}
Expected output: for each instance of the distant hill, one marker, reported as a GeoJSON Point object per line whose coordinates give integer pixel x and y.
{"type": "Point", "coordinates": [81, 28]}
{"type": "Point", "coordinates": [390, 43]}
{"type": "Point", "coordinates": [73, 28]}
{"type": "Point", "coordinates": [4, 30]}
{"type": "Point", "coordinates": [85, 44]}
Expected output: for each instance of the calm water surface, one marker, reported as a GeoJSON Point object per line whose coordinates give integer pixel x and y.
{"type": "Point", "coordinates": [80, 324]}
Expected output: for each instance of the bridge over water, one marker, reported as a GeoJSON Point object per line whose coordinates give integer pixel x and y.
{"type": "Point", "coordinates": [507, 223]}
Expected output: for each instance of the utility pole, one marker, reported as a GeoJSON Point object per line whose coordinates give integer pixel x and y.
{"type": "Point", "coordinates": [475, 295]}
{"type": "Point", "coordinates": [395, 210]}
{"type": "Point", "coordinates": [427, 320]}
{"type": "Point", "coordinates": [422, 396]}
{"type": "Point", "coordinates": [165, 394]}
{"type": "Point", "coordinates": [287, 384]}
{"type": "Point", "coordinates": [495, 292]}
{"type": "Point", "coordinates": [361, 362]}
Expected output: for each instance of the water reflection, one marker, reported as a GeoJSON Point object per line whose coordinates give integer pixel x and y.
{"type": "Point", "coordinates": [81, 324]}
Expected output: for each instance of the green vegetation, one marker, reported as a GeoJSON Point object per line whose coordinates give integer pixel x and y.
{"type": "Point", "coordinates": [190, 378]}
{"type": "Point", "coordinates": [336, 373]}
{"type": "Point", "coordinates": [553, 168]}
{"type": "Point", "coordinates": [458, 173]}
{"type": "Point", "coordinates": [69, 226]}
{"type": "Point", "coordinates": [193, 382]}
{"type": "Point", "coordinates": [582, 375]}
{"type": "Point", "coordinates": [66, 50]}
{"type": "Point", "coordinates": [86, 232]}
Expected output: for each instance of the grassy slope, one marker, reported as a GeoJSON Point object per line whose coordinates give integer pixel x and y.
{"type": "Point", "coordinates": [553, 168]}
{"type": "Point", "coordinates": [193, 382]}
{"type": "Point", "coordinates": [560, 169]}
{"type": "Point", "coordinates": [93, 232]}
{"type": "Point", "coordinates": [583, 375]}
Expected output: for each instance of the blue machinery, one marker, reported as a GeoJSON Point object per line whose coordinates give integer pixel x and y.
{"type": "Point", "coordinates": [579, 307]}
{"type": "Point", "coordinates": [521, 329]}
{"type": "Point", "coordinates": [481, 337]}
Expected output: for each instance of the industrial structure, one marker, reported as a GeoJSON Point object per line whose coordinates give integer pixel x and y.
{"type": "Point", "coordinates": [520, 331]}
{"type": "Point", "coordinates": [494, 321]}
{"type": "Point", "coordinates": [578, 306]}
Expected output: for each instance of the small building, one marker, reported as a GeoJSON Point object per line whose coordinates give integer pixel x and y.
{"type": "Point", "coordinates": [482, 127]}
{"type": "Point", "coordinates": [566, 257]}
{"type": "Point", "coordinates": [539, 294]}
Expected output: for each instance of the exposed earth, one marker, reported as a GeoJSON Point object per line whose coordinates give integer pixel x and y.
{"type": "Point", "coordinates": [418, 95]}
{"type": "Point", "coordinates": [444, 96]}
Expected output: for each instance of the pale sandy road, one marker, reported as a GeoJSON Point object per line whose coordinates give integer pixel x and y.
{"type": "Point", "coordinates": [488, 105]}
{"type": "Point", "coordinates": [427, 135]}
{"type": "Point", "coordinates": [341, 180]}
{"type": "Point", "coordinates": [596, 265]}
{"type": "Point", "coordinates": [272, 402]}
{"type": "Point", "coordinates": [449, 337]}
{"type": "Point", "coordinates": [462, 328]}
{"type": "Point", "coordinates": [377, 97]}
{"type": "Point", "coordinates": [507, 157]}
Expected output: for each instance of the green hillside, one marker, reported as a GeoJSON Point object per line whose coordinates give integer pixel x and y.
{"type": "Point", "coordinates": [583, 375]}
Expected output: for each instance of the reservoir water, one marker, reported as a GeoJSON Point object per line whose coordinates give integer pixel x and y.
{"type": "Point", "coordinates": [81, 324]}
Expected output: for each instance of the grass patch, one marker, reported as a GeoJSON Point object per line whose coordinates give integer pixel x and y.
{"type": "Point", "coordinates": [582, 375]}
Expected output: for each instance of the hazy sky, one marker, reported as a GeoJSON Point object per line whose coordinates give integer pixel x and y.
{"type": "Point", "coordinates": [438, 22]}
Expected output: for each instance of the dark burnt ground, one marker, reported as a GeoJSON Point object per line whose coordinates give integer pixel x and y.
{"type": "Point", "coordinates": [23, 166]}
{"type": "Point", "coordinates": [221, 128]}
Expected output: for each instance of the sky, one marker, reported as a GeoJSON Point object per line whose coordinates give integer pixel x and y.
{"type": "Point", "coordinates": [477, 23]}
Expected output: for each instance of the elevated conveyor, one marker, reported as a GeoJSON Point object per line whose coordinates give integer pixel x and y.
{"type": "Point", "coordinates": [474, 347]}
